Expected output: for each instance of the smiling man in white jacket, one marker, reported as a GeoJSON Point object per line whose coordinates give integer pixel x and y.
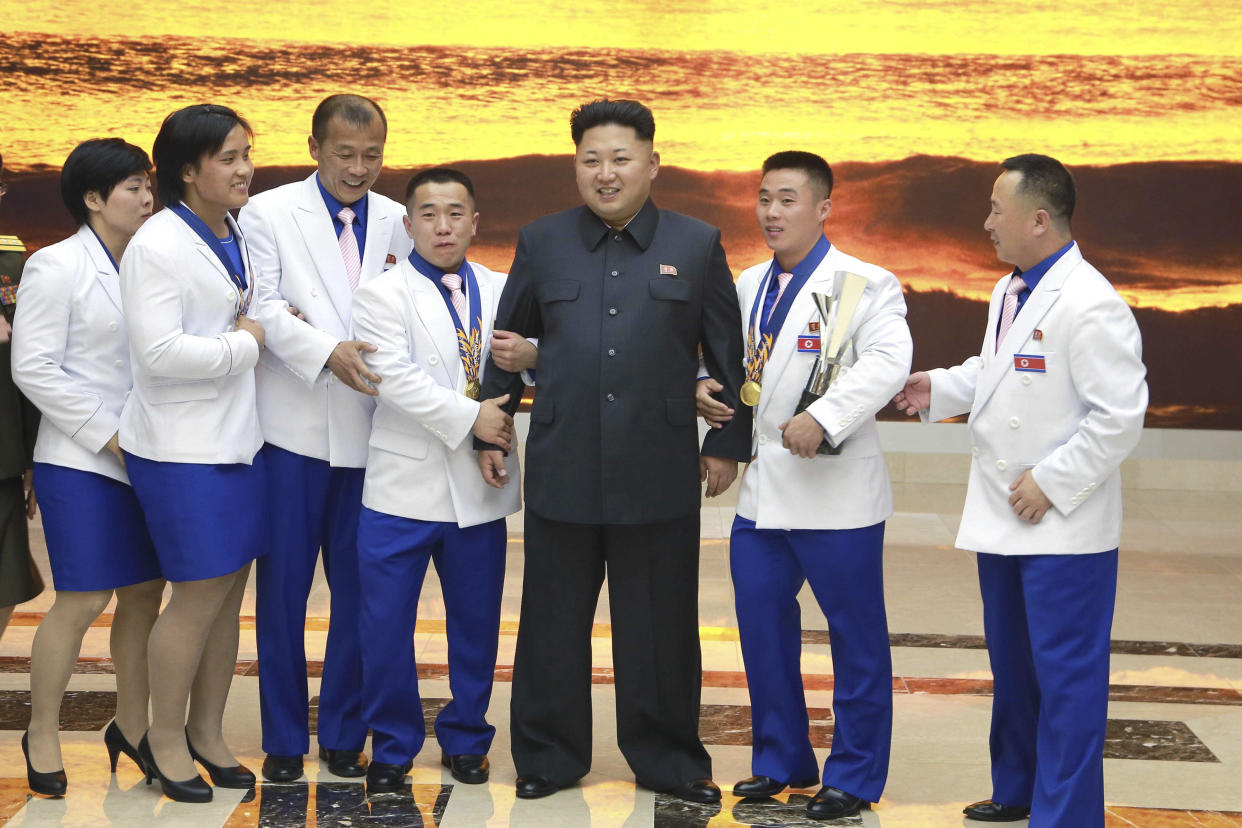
{"type": "Point", "coordinates": [1056, 400]}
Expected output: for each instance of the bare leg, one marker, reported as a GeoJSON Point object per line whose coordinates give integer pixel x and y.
{"type": "Point", "coordinates": [173, 654]}
{"type": "Point", "coordinates": [53, 656]}
{"type": "Point", "coordinates": [137, 607]}
{"type": "Point", "coordinates": [215, 675]}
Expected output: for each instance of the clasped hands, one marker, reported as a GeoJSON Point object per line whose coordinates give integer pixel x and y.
{"type": "Point", "coordinates": [801, 434]}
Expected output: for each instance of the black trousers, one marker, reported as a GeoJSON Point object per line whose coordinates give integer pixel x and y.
{"type": "Point", "coordinates": [653, 586]}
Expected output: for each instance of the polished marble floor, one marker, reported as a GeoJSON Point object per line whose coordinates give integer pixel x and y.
{"type": "Point", "coordinates": [1173, 756]}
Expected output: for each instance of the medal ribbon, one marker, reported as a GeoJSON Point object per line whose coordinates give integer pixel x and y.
{"type": "Point", "coordinates": [204, 232]}
{"type": "Point", "coordinates": [469, 343]}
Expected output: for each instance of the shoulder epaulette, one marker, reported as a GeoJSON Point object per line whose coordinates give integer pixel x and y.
{"type": "Point", "coordinates": [12, 243]}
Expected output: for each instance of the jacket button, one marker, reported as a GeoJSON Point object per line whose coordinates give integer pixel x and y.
{"type": "Point", "coordinates": [112, 326]}
{"type": "Point", "coordinates": [1026, 380]}
{"type": "Point", "coordinates": [763, 439]}
{"type": "Point", "coordinates": [120, 363]}
{"type": "Point", "coordinates": [1001, 465]}
{"type": "Point", "coordinates": [314, 293]}
{"type": "Point", "coordinates": [230, 296]}
{"type": "Point", "coordinates": [612, 352]}
{"type": "Point", "coordinates": [617, 237]}
{"type": "Point", "coordinates": [611, 398]}
{"type": "Point", "coordinates": [974, 451]}
{"type": "Point", "coordinates": [616, 273]}
{"type": "Point", "coordinates": [612, 311]}
{"type": "Point", "coordinates": [1014, 422]}
{"type": "Point", "coordinates": [433, 360]}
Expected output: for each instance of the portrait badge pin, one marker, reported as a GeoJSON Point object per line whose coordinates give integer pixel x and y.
{"type": "Point", "coordinates": [813, 327]}
{"type": "Point", "coordinates": [392, 259]}
{"type": "Point", "coordinates": [1038, 336]}
{"type": "Point", "coordinates": [667, 270]}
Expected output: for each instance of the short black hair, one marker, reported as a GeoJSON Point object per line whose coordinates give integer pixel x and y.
{"type": "Point", "coordinates": [354, 110]}
{"type": "Point", "coordinates": [184, 138]}
{"type": "Point", "coordinates": [622, 112]}
{"type": "Point", "coordinates": [97, 166]}
{"type": "Point", "coordinates": [817, 171]}
{"type": "Point", "coordinates": [1047, 181]}
{"type": "Point", "coordinates": [438, 175]}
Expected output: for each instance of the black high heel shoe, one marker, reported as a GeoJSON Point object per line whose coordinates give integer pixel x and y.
{"type": "Point", "coordinates": [238, 776]}
{"type": "Point", "coordinates": [191, 790]}
{"type": "Point", "coordinates": [117, 744]}
{"type": "Point", "coordinates": [48, 784]}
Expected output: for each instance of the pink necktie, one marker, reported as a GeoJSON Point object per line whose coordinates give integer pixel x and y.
{"type": "Point", "coordinates": [782, 282]}
{"type": "Point", "coordinates": [1010, 309]}
{"type": "Point", "coordinates": [349, 248]}
{"type": "Point", "coordinates": [453, 282]}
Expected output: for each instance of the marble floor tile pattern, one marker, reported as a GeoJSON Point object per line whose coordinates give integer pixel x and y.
{"type": "Point", "coordinates": [1174, 743]}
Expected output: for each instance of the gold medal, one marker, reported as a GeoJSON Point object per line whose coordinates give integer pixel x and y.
{"type": "Point", "coordinates": [472, 389]}
{"type": "Point", "coordinates": [750, 392]}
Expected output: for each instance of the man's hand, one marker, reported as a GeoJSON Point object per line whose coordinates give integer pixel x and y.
{"type": "Point", "coordinates": [346, 363]}
{"type": "Point", "coordinates": [295, 312]}
{"type": "Point", "coordinates": [916, 396]}
{"type": "Point", "coordinates": [512, 353]}
{"type": "Point", "coordinates": [802, 435]}
{"type": "Point", "coordinates": [719, 473]}
{"type": "Point", "coordinates": [715, 413]}
{"type": "Point", "coordinates": [492, 467]}
{"type": "Point", "coordinates": [1028, 501]}
{"type": "Point", "coordinates": [32, 505]}
{"type": "Point", "coordinates": [6, 331]}
{"type": "Point", "coordinates": [493, 425]}
{"type": "Point", "coordinates": [250, 326]}
{"type": "Point", "coordinates": [114, 445]}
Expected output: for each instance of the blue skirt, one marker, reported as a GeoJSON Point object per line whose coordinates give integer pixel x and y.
{"type": "Point", "coordinates": [206, 520]}
{"type": "Point", "coordinates": [96, 536]}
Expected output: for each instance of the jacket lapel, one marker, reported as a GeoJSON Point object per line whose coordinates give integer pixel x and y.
{"type": "Point", "coordinates": [801, 312]}
{"type": "Point", "coordinates": [319, 234]}
{"type": "Point", "coordinates": [104, 273]}
{"type": "Point", "coordinates": [1036, 306]}
{"type": "Point", "coordinates": [379, 230]}
{"type": "Point", "coordinates": [432, 313]}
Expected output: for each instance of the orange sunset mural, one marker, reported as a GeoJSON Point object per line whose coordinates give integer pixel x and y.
{"type": "Point", "coordinates": [914, 102]}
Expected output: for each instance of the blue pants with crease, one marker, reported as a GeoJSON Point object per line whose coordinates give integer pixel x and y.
{"type": "Point", "coordinates": [1048, 621]}
{"type": "Point", "coordinates": [845, 570]}
{"type": "Point", "coordinates": [312, 505]}
{"type": "Point", "coordinates": [393, 553]}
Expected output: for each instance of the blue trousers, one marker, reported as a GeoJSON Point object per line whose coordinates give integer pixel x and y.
{"type": "Point", "coordinates": [845, 570]}
{"type": "Point", "coordinates": [1048, 620]}
{"type": "Point", "coordinates": [312, 505]}
{"type": "Point", "coordinates": [393, 553]}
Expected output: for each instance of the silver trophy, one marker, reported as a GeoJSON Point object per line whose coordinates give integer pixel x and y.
{"type": "Point", "coordinates": [836, 312]}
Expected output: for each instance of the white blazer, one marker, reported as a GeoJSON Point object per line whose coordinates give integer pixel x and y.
{"type": "Point", "coordinates": [193, 395]}
{"type": "Point", "coordinates": [1073, 423]}
{"type": "Point", "coordinates": [422, 463]}
{"type": "Point", "coordinates": [303, 408]}
{"type": "Point", "coordinates": [71, 353]}
{"type": "Point", "coordinates": [780, 490]}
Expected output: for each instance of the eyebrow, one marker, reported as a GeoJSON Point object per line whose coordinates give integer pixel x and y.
{"type": "Point", "coordinates": [426, 205]}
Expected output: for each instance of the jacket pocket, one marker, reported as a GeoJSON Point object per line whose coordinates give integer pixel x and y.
{"type": "Point", "coordinates": [560, 290]}
{"type": "Point", "coordinates": [670, 290]}
{"type": "Point", "coordinates": [175, 392]}
{"type": "Point", "coordinates": [399, 442]}
{"type": "Point", "coordinates": [680, 411]}
{"type": "Point", "coordinates": [543, 409]}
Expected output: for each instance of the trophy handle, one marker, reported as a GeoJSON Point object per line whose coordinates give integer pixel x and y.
{"type": "Point", "coordinates": [808, 397]}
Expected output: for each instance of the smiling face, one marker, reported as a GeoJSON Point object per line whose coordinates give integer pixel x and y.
{"type": "Point", "coordinates": [1013, 223]}
{"type": "Point", "coordinates": [350, 157]}
{"type": "Point", "coordinates": [791, 215]}
{"type": "Point", "coordinates": [220, 181]}
{"type": "Point", "coordinates": [128, 206]}
{"type": "Point", "coordinates": [441, 221]}
{"type": "Point", "coordinates": [614, 169]}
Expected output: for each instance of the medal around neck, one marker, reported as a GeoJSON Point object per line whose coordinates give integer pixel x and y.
{"type": "Point", "coordinates": [836, 312]}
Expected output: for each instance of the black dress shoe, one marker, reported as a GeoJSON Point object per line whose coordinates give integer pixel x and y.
{"type": "Point", "coordinates": [348, 763]}
{"type": "Point", "coordinates": [385, 778]}
{"type": "Point", "coordinates": [189, 790]}
{"type": "Point", "coordinates": [238, 776]}
{"type": "Point", "coordinates": [831, 803]}
{"type": "Point", "coordinates": [989, 811]}
{"type": "Point", "coordinates": [535, 787]}
{"type": "Point", "coordinates": [703, 791]}
{"type": "Point", "coordinates": [467, 768]}
{"type": "Point", "coordinates": [54, 783]}
{"type": "Point", "coordinates": [762, 787]}
{"type": "Point", "coordinates": [117, 744]}
{"type": "Point", "coordinates": [277, 768]}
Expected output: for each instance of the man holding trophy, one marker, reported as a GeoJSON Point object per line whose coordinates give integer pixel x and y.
{"type": "Point", "coordinates": [827, 347]}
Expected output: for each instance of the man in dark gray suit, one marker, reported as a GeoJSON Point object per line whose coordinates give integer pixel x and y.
{"type": "Point", "coordinates": [621, 296]}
